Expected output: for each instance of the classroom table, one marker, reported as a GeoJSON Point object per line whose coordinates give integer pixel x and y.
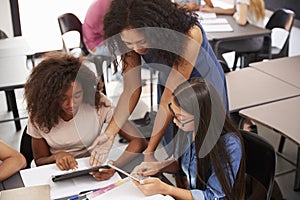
{"type": "Point", "coordinates": [283, 116]}
{"type": "Point", "coordinates": [250, 87]}
{"type": "Point", "coordinates": [42, 175]}
{"type": "Point", "coordinates": [13, 73]}
{"type": "Point", "coordinates": [14, 46]}
{"type": "Point", "coordinates": [239, 32]}
{"type": "Point", "coordinates": [286, 69]}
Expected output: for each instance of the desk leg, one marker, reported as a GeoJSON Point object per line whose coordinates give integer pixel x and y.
{"type": "Point", "coordinates": [297, 176]}
{"type": "Point", "coordinates": [13, 104]}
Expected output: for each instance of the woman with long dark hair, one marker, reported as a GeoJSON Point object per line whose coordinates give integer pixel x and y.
{"type": "Point", "coordinates": [209, 149]}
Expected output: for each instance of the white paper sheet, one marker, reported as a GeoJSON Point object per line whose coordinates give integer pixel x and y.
{"type": "Point", "coordinates": [129, 191]}
{"type": "Point", "coordinates": [217, 28]}
{"type": "Point", "coordinates": [42, 175]}
{"type": "Point", "coordinates": [205, 15]}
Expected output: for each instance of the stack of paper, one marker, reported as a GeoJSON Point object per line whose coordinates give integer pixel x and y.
{"type": "Point", "coordinates": [216, 25]}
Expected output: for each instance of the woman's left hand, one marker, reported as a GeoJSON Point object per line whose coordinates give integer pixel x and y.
{"type": "Point", "coordinates": [151, 186]}
{"type": "Point", "coordinates": [103, 174]}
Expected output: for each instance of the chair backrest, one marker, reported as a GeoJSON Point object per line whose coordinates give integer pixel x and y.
{"type": "Point", "coordinates": [282, 18]}
{"type": "Point", "coordinates": [70, 22]}
{"type": "Point", "coordinates": [25, 147]}
{"type": "Point", "coordinates": [224, 65]}
{"type": "Point", "coordinates": [3, 35]}
{"type": "Point", "coordinates": [260, 160]}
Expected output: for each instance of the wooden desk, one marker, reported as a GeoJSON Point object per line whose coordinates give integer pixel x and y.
{"type": "Point", "coordinates": [282, 116]}
{"type": "Point", "coordinates": [13, 75]}
{"type": "Point", "coordinates": [286, 69]}
{"type": "Point", "coordinates": [239, 32]}
{"type": "Point", "coordinates": [250, 87]}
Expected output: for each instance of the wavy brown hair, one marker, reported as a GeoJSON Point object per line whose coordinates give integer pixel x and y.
{"type": "Point", "coordinates": [198, 98]}
{"type": "Point", "coordinates": [50, 80]}
{"type": "Point", "coordinates": [141, 14]}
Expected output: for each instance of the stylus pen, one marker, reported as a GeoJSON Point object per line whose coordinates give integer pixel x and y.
{"type": "Point", "coordinates": [123, 172]}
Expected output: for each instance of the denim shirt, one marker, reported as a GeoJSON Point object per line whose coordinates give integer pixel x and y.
{"type": "Point", "coordinates": [189, 167]}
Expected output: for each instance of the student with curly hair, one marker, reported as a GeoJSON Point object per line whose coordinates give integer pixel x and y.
{"type": "Point", "coordinates": [169, 39]}
{"type": "Point", "coordinates": [11, 161]}
{"type": "Point", "coordinates": [209, 149]}
{"type": "Point", "coordinates": [67, 111]}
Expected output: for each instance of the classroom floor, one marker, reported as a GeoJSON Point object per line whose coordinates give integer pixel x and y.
{"type": "Point", "coordinates": [12, 137]}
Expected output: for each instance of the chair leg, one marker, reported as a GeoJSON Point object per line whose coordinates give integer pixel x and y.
{"type": "Point", "coordinates": [7, 101]}
{"type": "Point", "coordinates": [236, 57]}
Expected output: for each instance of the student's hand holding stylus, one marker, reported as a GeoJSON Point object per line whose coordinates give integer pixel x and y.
{"type": "Point", "coordinates": [100, 149]}
{"type": "Point", "coordinates": [152, 186]}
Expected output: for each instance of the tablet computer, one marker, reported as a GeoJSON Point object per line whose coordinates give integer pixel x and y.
{"type": "Point", "coordinates": [76, 173]}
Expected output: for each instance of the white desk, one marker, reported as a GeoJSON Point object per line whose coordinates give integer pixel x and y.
{"type": "Point", "coordinates": [59, 190]}
{"type": "Point", "coordinates": [286, 69]}
{"type": "Point", "coordinates": [283, 116]}
{"type": "Point", "coordinates": [250, 87]}
{"type": "Point", "coordinates": [15, 46]}
{"type": "Point", "coordinates": [13, 75]}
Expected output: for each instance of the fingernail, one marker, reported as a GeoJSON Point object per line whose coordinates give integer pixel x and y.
{"type": "Point", "coordinates": [100, 170]}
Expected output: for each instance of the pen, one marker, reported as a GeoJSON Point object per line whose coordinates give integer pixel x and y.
{"type": "Point", "coordinates": [81, 196]}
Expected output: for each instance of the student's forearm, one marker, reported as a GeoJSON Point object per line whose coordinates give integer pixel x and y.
{"type": "Point", "coordinates": [11, 165]}
{"type": "Point", "coordinates": [229, 11]}
{"type": "Point", "coordinates": [178, 193]}
{"type": "Point", "coordinates": [45, 160]}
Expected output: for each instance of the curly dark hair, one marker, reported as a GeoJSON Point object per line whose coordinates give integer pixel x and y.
{"type": "Point", "coordinates": [49, 81]}
{"type": "Point", "coordinates": [141, 14]}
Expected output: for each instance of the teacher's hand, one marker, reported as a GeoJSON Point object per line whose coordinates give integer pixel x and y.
{"type": "Point", "coordinates": [100, 149]}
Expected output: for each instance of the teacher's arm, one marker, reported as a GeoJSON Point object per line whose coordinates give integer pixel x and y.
{"type": "Point", "coordinates": [178, 75]}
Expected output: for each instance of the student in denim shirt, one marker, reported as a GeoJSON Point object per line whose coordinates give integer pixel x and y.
{"type": "Point", "coordinates": [209, 149]}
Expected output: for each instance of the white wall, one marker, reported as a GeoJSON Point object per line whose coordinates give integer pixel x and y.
{"type": "Point", "coordinates": [5, 18]}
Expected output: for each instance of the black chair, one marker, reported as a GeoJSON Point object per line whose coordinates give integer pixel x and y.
{"type": "Point", "coordinates": [69, 22]}
{"type": "Point", "coordinates": [260, 160]}
{"type": "Point", "coordinates": [224, 65]}
{"type": "Point", "coordinates": [281, 18]}
{"type": "Point", "coordinates": [26, 148]}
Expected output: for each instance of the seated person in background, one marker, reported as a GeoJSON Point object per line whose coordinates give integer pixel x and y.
{"type": "Point", "coordinates": [66, 114]}
{"type": "Point", "coordinates": [194, 5]}
{"type": "Point", "coordinates": [11, 161]}
{"type": "Point", "coordinates": [92, 27]}
{"type": "Point", "coordinates": [209, 149]}
{"type": "Point", "coordinates": [243, 11]}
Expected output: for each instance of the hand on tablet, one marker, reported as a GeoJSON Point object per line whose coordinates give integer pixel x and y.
{"type": "Point", "coordinates": [103, 174]}
{"type": "Point", "coordinates": [147, 168]}
{"type": "Point", "coordinates": [65, 161]}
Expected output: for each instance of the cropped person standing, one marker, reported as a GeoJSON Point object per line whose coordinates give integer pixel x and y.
{"type": "Point", "coordinates": [11, 161]}
{"type": "Point", "coordinates": [244, 11]}
{"type": "Point", "coordinates": [169, 39]}
{"type": "Point", "coordinates": [67, 111]}
{"type": "Point", "coordinates": [92, 27]}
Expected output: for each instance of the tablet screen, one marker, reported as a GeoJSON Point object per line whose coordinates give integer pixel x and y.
{"type": "Point", "coordinates": [76, 173]}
